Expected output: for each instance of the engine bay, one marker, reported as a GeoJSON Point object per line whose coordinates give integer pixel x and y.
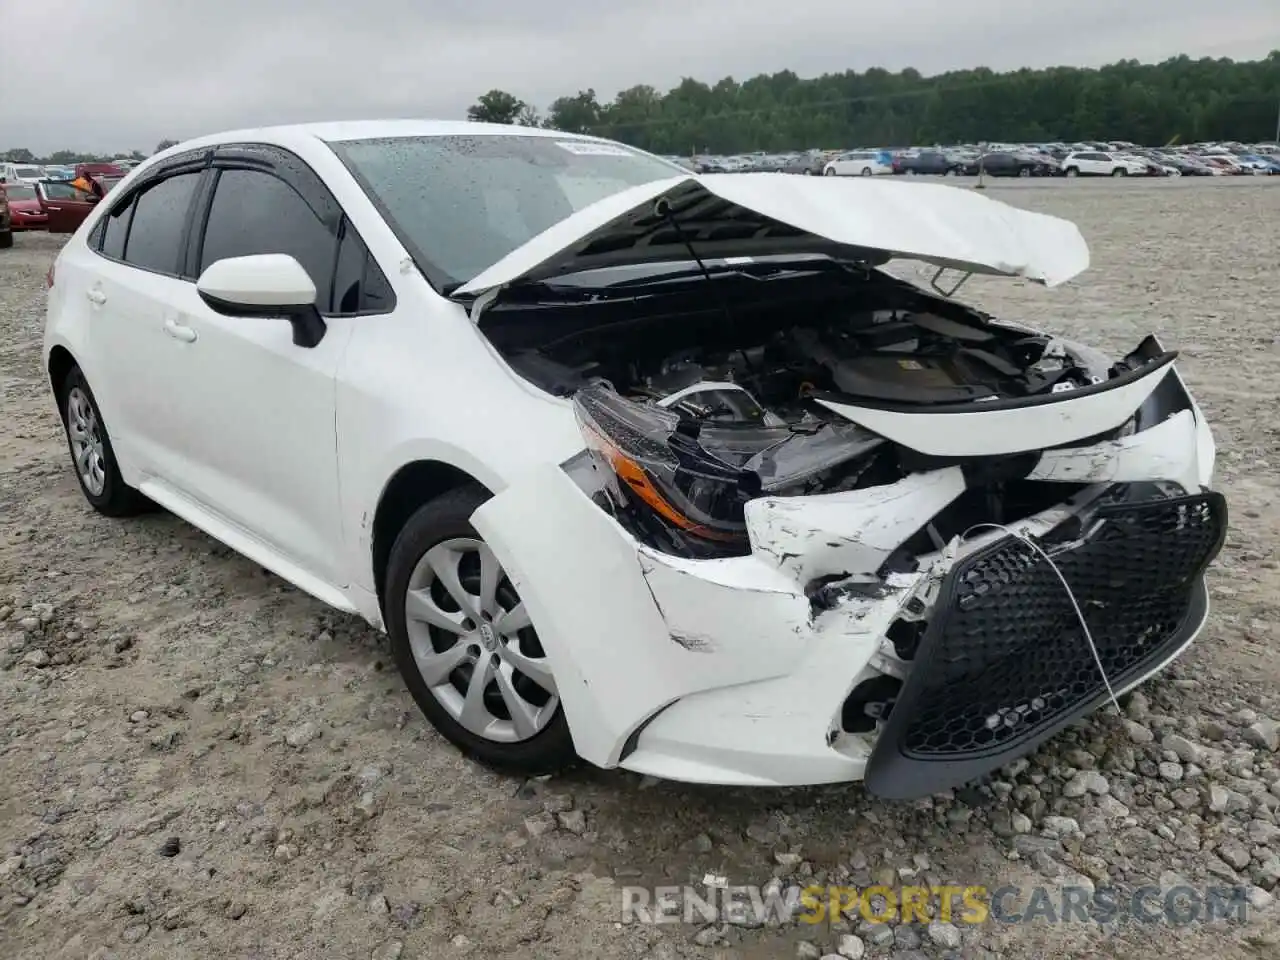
{"type": "Point", "coordinates": [869, 338]}
{"type": "Point", "coordinates": [696, 397]}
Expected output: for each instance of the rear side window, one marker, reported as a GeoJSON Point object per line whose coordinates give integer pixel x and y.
{"type": "Point", "coordinates": [254, 213]}
{"type": "Point", "coordinates": [115, 228]}
{"type": "Point", "coordinates": [159, 219]}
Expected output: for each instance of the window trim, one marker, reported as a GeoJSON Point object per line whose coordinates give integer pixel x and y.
{"type": "Point", "coordinates": [196, 161]}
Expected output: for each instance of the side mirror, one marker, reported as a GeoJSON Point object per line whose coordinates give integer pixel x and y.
{"type": "Point", "coordinates": [264, 285]}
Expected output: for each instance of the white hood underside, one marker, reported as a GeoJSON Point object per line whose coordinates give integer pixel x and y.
{"type": "Point", "coordinates": [942, 225]}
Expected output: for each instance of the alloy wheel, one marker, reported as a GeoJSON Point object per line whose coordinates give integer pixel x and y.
{"type": "Point", "coordinates": [87, 448]}
{"type": "Point", "coordinates": [474, 645]}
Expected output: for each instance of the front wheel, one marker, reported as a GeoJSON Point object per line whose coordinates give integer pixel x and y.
{"type": "Point", "coordinates": [1024, 171]}
{"type": "Point", "coordinates": [866, 171]}
{"type": "Point", "coordinates": [465, 645]}
{"type": "Point", "coordinates": [1072, 172]}
{"type": "Point", "coordinates": [949, 172]}
{"type": "Point", "coordinates": [1119, 172]}
{"type": "Point", "coordinates": [92, 455]}
{"type": "Point", "coordinates": [829, 172]}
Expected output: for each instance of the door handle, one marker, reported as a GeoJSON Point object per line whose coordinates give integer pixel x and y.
{"type": "Point", "coordinates": [179, 331]}
{"type": "Point", "coordinates": [95, 296]}
{"type": "Point", "coordinates": [54, 208]}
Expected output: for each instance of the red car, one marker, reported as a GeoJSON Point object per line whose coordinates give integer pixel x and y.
{"type": "Point", "coordinates": [6, 231]}
{"type": "Point", "coordinates": [24, 207]}
{"type": "Point", "coordinates": [66, 206]}
{"type": "Point", "coordinates": [94, 170]}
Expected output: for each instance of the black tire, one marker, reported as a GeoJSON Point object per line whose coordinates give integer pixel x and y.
{"type": "Point", "coordinates": [1119, 172]}
{"type": "Point", "coordinates": [1071, 172]}
{"type": "Point", "coordinates": [117, 498]}
{"type": "Point", "coordinates": [448, 516]}
{"type": "Point", "coordinates": [866, 171]}
{"type": "Point", "coordinates": [1024, 171]}
{"type": "Point", "coordinates": [6, 240]}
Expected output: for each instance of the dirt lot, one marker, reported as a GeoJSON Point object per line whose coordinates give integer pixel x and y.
{"type": "Point", "coordinates": [197, 760]}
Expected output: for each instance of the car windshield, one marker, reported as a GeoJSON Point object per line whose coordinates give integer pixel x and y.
{"type": "Point", "coordinates": [18, 191]}
{"type": "Point", "coordinates": [28, 172]}
{"type": "Point", "coordinates": [462, 203]}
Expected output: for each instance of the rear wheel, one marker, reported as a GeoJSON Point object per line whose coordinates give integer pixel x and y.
{"type": "Point", "coordinates": [949, 172]}
{"type": "Point", "coordinates": [1024, 171]}
{"type": "Point", "coordinates": [1072, 172]}
{"type": "Point", "coordinates": [465, 645]}
{"type": "Point", "coordinates": [866, 171]}
{"type": "Point", "coordinates": [829, 172]}
{"type": "Point", "coordinates": [94, 458]}
{"type": "Point", "coordinates": [6, 240]}
{"type": "Point", "coordinates": [1119, 172]}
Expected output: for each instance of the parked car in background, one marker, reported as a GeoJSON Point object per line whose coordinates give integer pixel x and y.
{"type": "Point", "coordinates": [1150, 166]}
{"type": "Point", "coordinates": [1007, 164]}
{"type": "Point", "coordinates": [64, 205]}
{"type": "Point", "coordinates": [927, 162]}
{"type": "Point", "coordinates": [809, 165]}
{"type": "Point", "coordinates": [20, 172]}
{"type": "Point", "coordinates": [24, 207]}
{"type": "Point", "coordinates": [99, 170]}
{"type": "Point", "coordinates": [6, 228]}
{"type": "Point", "coordinates": [1095, 163]}
{"type": "Point", "coordinates": [56, 172]}
{"type": "Point", "coordinates": [858, 163]}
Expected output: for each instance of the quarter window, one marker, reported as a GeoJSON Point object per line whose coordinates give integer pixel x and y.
{"type": "Point", "coordinates": [159, 219]}
{"type": "Point", "coordinates": [115, 227]}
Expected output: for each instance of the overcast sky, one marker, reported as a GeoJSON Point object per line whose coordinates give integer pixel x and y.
{"type": "Point", "coordinates": [94, 75]}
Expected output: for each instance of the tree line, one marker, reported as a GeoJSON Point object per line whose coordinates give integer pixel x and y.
{"type": "Point", "coordinates": [1180, 99]}
{"type": "Point", "coordinates": [66, 158]}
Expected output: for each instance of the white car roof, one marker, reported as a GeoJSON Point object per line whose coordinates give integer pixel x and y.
{"type": "Point", "coordinates": [291, 134]}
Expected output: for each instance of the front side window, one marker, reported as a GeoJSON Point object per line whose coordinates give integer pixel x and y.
{"type": "Point", "coordinates": [159, 219]}
{"type": "Point", "coordinates": [462, 203]}
{"type": "Point", "coordinates": [254, 213]}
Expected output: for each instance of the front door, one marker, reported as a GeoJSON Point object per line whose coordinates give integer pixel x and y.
{"type": "Point", "coordinates": [259, 440]}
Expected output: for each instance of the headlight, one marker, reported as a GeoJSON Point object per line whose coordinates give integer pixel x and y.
{"type": "Point", "coordinates": [696, 475]}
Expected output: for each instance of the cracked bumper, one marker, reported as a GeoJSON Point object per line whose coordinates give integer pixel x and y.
{"type": "Point", "coordinates": [721, 671]}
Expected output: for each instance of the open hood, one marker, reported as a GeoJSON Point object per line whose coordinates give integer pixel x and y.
{"type": "Point", "coordinates": [769, 214]}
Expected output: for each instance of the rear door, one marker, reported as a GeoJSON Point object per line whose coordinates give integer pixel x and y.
{"type": "Point", "coordinates": [140, 240]}
{"type": "Point", "coordinates": [64, 205]}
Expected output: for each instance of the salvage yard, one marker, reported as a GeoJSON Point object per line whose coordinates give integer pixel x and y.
{"type": "Point", "coordinates": [197, 760]}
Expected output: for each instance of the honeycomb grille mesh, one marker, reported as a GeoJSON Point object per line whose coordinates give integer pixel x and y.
{"type": "Point", "coordinates": [1008, 656]}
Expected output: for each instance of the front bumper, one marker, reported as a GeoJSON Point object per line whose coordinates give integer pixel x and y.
{"type": "Point", "coordinates": [730, 671]}
{"type": "Point", "coordinates": [29, 221]}
{"type": "Point", "coordinates": [1005, 663]}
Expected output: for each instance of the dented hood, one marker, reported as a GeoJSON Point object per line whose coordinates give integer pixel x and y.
{"type": "Point", "coordinates": [769, 214]}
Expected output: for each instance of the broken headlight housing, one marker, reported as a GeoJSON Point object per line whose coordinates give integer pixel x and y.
{"type": "Point", "coordinates": [692, 477]}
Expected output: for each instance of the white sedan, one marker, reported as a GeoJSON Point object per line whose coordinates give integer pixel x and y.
{"type": "Point", "coordinates": [655, 470]}
{"type": "Point", "coordinates": [859, 163]}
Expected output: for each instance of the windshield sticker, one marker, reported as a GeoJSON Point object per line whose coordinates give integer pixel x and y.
{"type": "Point", "coordinates": [587, 149]}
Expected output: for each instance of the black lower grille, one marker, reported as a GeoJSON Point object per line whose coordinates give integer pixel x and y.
{"type": "Point", "coordinates": [1005, 663]}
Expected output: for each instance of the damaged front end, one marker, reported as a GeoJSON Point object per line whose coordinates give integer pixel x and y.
{"type": "Point", "coordinates": [743, 599]}
{"type": "Point", "coordinates": [828, 526]}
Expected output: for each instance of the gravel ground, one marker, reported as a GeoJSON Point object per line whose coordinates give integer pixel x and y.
{"type": "Point", "coordinates": [197, 760]}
